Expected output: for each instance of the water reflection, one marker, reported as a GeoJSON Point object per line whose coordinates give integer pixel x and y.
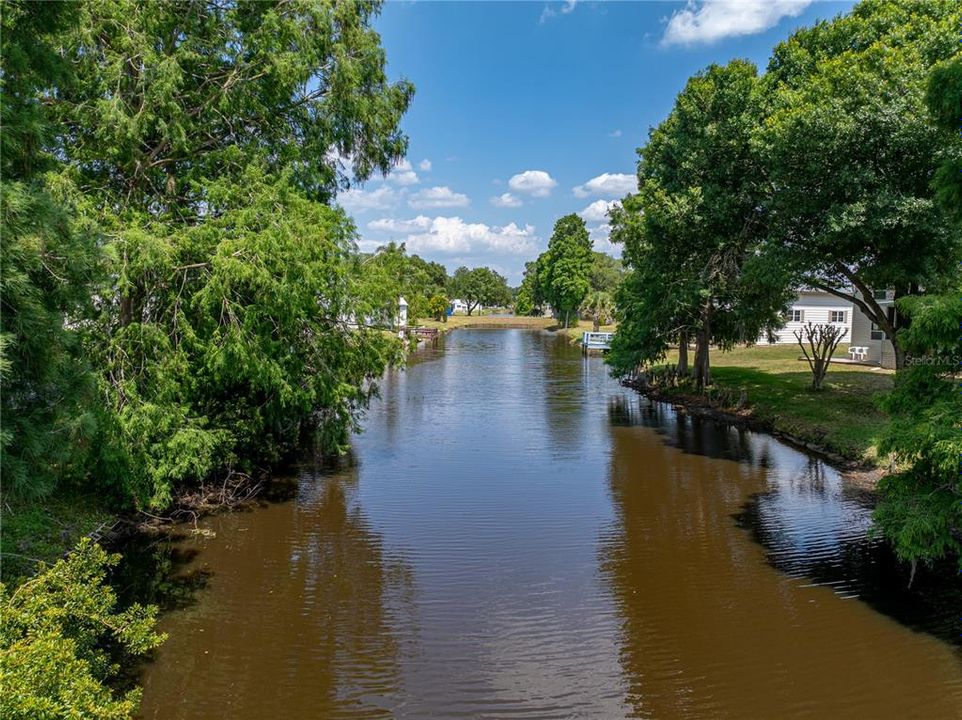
{"type": "Point", "coordinates": [708, 628]}
{"type": "Point", "coordinates": [522, 537]}
{"type": "Point", "coordinates": [305, 611]}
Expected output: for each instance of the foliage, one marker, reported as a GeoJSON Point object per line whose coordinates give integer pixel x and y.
{"type": "Point", "coordinates": [529, 298]}
{"type": "Point", "coordinates": [163, 100]}
{"type": "Point", "coordinates": [851, 149]}
{"type": "Point", "coordinates": [437, 307]}
{"type": "Point", "coordinates": [944, 98]}
{"type": "Point", "coordinates": [203, 144]}
{"type": "Point", "coordinates": [599, 307]}
{"type": "Point", "coordinates": [62, 641]}
{"type": "Point", "coordinates": [606, 272]}
{"type": "Point", "coordinates": [920, 509]}
{"type": "Point", "coordinates": [247, 345]}
{"type": "Point", "coordinates": [694, 235]}
{"type": "Point", "coordinates": [48, 260]}
{"type": "Point", "coordinates": [564, 269]}
{"type": "Point", "coordinates": [479, 286]}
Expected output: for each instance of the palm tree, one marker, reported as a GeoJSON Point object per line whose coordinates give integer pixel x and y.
{"type": "Point", "coordinates": [599, 307]}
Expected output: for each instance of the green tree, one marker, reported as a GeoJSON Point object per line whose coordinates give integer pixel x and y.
{"type": "Point", "coordinates": [62, 642]}
{"type": "Point", "coordinates": [606, 272]}
{"type": "Point", "coordinates": [206, 142]}
{"type": "Point", "coordinates": [920, 510]}
{"type": "Point", "coordinates": [438, 307]}
{"type": "Point", "coordinates": [851, 150]}
{"type": "Point", "coordinates": [529, 299]}
{"type": "Point", "coordinates": [48, 262]}
{"type": "Point", "coordinates": [694, 235]}
{"type": "Point", "coordinates": [598, 307]}
{"type": "Point", "coordinates": [479, 286]}
{"type": "Point", "coordinates": [564, 272]}
{"type": "Point", "coordinates": [944, 99]}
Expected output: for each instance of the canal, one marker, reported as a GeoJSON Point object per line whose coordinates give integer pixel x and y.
{"type": "Point", "coordinates": [516, 535]}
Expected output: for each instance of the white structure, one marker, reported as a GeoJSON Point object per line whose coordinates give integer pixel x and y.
{"type": "Point", "coordinates": [866, 334]}
{"type": "Point", "coordinates": [819, 308]}
{"type": "Point", "coordinates": [460, 307]}
{"type": "Point", "coordinates": [868, 343]}
{"type": "Point", "coordinates": [402, 313]}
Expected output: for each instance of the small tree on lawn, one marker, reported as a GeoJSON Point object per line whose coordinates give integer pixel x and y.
{"type": "Point", "coordinates": [822, 341]}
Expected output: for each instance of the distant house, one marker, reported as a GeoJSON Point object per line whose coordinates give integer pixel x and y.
{"type": "Point", "coordinates": [460, 307]}
{"type": "Point", "coordinates": [817, 307]}
{"type": "Point", "coordinates": [820, 308]}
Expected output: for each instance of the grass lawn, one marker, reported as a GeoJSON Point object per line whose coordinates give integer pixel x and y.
{"type": "Point", "coordinates": [843, 417]}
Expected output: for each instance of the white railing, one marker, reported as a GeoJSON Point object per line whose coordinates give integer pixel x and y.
{"type": "Point", "coordinates": [597, 339]}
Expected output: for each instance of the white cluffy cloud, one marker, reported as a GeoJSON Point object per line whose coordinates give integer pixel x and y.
{"type": "Point", "coordinates": [438, 197]}
{"type": "Point", "coordinates": [615, 134]}
{"type": "Point", "coordinates": [403, 174]}
{"type": "Point", "coordinates": [601, 240]}
{"type": "Point", "coordinates": [425, 165]}
{"type": "Point", "coordinates": [454, 235]}
{"type": "Point", "coordinates": [598, 210]}
{"type": "Point", "coordinates": [357, 200]}
{"type": "Point", "coordinates": [421, 222]}
{"type": "Point", "coordinates": [536, 183]}
{"type": "Point", "coordinates": [608, 185]}
{"type": "Point", "coordinates": [506, 200]}
{"type": "Point", "coordinates": [706, 21]}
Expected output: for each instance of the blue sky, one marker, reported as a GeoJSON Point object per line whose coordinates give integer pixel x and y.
{"type": "Point", "coordinates": [527, 111]}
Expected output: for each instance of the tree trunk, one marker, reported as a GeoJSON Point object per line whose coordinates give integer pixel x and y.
{"type": "Point", "coordinates": [864, 301]}
{"type": "Point", "coordinates": [702, 354]}
{"type": "Point", "coordinates": [683, 353]}
{"type": "Point", "coordinates": [818, 374]}
{"type": "Point", "coordinates": [597, 324]}
{"type": "Point", "coordinates": [566, 319]}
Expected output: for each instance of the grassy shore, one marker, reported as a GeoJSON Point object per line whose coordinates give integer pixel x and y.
{"type": "Point", "coordinates": [843, 417]}
{"type": "Point", "coordinates": [511, 321]}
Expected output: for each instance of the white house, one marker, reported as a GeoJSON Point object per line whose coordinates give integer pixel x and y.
{"type": "Point", "coordinates": [820, 308]}
{"type": "Point", "coordinates": [817, 307]}
{"type": "Point", "coordinates": [460, 307]}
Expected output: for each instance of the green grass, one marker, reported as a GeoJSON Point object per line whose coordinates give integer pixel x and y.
{"type": "Point", "coordinates": [843, 417]}
{"type": "Point", "coordinates": [44, 529]}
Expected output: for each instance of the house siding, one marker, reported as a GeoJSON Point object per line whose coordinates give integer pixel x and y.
{"type": "Point", "coordinates": [816, 308]}
{"type": "Point", "coordinates": [880, 352]}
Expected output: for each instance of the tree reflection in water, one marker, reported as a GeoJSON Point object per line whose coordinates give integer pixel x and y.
{"type": "Point", "coordinates": [333, 614]}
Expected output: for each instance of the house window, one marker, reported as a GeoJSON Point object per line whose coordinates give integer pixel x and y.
{"type": "Point", "coordinates": [794, 315]}
{"type": "Point", "coordinates": [880, 294]}
{"type": "Point", "coordinates": [877, 333]}
{"type": "Point", "coordinates": [836, 316]}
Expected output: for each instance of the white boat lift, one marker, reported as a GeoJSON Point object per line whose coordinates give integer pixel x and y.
{"type": "Point", "coordinates": [596, 341]}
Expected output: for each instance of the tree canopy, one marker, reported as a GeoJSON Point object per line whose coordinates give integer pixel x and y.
{"type": "Point", "coordinates": [695, 233]}
{"type": "Point", "coordinates": [564, 270]}
{"type": "Point", "coordinates": [851, 149]}
{"type": "Point", "coordinates": [479, 286]}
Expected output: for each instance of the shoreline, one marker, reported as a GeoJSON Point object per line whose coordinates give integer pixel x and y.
{"type": "Point", "coordinates": [860, 474]}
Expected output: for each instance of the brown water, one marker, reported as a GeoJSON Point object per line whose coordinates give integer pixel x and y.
{"type": "Point", "coordinates": [521, 537]}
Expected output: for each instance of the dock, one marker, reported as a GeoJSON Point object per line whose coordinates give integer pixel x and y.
{"type": "Point", "coordinates": [596, 341]}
